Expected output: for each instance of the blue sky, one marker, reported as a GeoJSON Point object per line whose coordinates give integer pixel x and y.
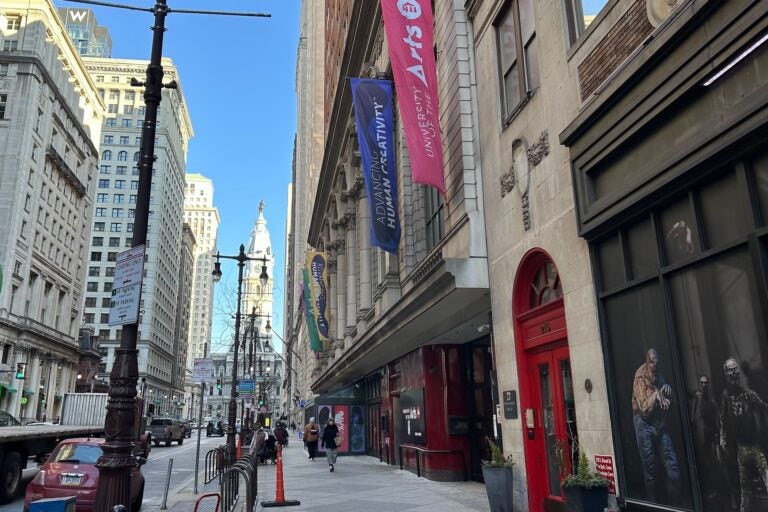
{"type": "Point", "coordinates": [238, 80]}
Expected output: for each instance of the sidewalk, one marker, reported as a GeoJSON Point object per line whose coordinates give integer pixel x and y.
{"type": "Point", "coordinates": [358, 483]}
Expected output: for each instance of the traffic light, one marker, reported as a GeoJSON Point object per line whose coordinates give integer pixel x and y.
{"type": "Point", "coordinates": [261, 400]}
{"type": "Point", "coordinates": [42, 398]}
{"type": "Point", "coordinates": [21, 369]}
{"type": "Point", "coordinates": [218, 384]}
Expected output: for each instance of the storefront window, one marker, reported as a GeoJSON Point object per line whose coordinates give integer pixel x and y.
{"type": "Point", "coordinates": [687, 345]}
{"type": "Point", "coordinates": [724, 362]}
{"type": "Point", "coordinates": [649, 422]}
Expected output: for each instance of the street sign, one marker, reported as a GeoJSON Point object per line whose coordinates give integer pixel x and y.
{"type": "Point", "coordinates": [302, 403]}
{"type": "Point", "coordinates": [247, 387]}
{"type": "Point", "coordinates": [126, 289]}
{"type": "Point", "coordinates": [203, 370]}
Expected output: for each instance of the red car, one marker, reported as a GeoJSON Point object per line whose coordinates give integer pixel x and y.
{"type": "Point", "coordinates": [71, 471]}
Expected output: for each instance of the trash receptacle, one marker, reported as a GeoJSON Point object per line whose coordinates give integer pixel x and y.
{"type": "Point", "coordinates": [53, 505]}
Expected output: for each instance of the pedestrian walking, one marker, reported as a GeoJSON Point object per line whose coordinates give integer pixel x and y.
{"type": "Point", "coordinates": [281, 434]}
{"type": "Point", "coordinates": [330, 442]}
{"type": "Point", "coordinates": [293, 426]}
{"type": "Point", "coordinates": [311, 435]}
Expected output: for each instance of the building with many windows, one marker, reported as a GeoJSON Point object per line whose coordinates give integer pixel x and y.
{"type": "Point", "coordinates": [203, 220]}
{"type": "Point", "coordinates": [90, 39]}
{"type": "Point", "coordinates": [307, 158]}
{"type": "Point", "coordinates": [116, 191]}
{"type": "Point", "coordinates": [50, 124]}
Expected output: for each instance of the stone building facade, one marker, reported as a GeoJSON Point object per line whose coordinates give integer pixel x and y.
{"type": "Point", "coordinates": [50, 125]}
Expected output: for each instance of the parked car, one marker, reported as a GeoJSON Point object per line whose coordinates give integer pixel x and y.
{"type": "Point", "coordinates": [167, 430]}
{"type": "Point", "coordinates": [7, 420]}
{"type": "Point", "coordinates": [214, 428]}
{"type": "Point", "coordinates": [70, 471]}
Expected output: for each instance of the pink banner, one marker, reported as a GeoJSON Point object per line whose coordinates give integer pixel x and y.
{"type": "Point", "coordinates": [408, 25]}
{"type": "Point", "coordinates": [341, 415]}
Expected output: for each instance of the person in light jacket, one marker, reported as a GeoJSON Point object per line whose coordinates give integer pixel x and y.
{"type": "Point", "coordinates": [329, 442]}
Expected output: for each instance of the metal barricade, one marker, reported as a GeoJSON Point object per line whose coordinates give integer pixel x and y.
{"type": "Point", "coordinates": [217, 461]}
{"type": "Point", "coordinates": [229, 482]}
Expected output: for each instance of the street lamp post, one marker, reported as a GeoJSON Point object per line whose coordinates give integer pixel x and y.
{"type": "Point", "coordinates": [241, 258]}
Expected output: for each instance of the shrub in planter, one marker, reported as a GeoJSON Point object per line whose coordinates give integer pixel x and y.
{"type": "Point", "coordinates": [585, 491]}
{"type": "Point", "coordinates": [497, 473]}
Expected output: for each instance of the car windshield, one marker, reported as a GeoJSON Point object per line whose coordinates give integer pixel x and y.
{"type": "Point", "coordinates": [161, 422]}
{"type": "Point", "coordinates": [77, 453]}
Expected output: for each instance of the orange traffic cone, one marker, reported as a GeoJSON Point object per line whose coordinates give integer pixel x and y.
{"type": "Point", "coordinates": [237, 446]}
{"type": "Point", "coordinates": [280, 500]}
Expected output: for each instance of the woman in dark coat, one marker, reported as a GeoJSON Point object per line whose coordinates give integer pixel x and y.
{"type": "Point", "coordinates": [329, 442]}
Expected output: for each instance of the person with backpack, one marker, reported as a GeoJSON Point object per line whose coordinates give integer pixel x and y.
{"type": "Point", "coordinates": [281, 434]}
{"type": "Point", "coordinates": [311, 435]}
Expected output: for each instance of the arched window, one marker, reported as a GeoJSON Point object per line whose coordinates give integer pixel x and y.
{"type": "Point", "coordinates": [122, 156]}
{"type": "Point", "coordinates": [136, 156]}
{"type": "Point", "coordinates": [107, 155]}
{"type": "Point", "coordinates": [545, 286]}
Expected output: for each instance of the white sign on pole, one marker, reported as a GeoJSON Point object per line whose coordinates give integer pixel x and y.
{"type": "Point", "coordinates": [203, 370]}
{"type": "Point", "coordinates": [126, 290]}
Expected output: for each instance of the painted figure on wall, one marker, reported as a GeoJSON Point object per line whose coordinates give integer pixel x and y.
{"type": "Point", "coordinates": [705, 423]}
{"type": "Point", "coordinates": [742, 412]}
{"type": "Point", "coordinates": [651, 399]}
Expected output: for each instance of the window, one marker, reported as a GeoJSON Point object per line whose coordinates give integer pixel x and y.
{"type": "Point", "coordinates": [126, 123]}
{"type": "Point", "coordinates": [93, 272]}
{"type": "Point", "coordinates": [3, 103]}
{"type": "Point", "coordinates": [112, 108]}
{"type": "Point", "coordinates": [108, 284]}
{"type": "Point", "coordinates": [14, 23]}
{"type": "Point", "coordinates": [115, 79]}
{"type": "Point", "coordinates": [3, 69]}
{"type": "Point", "coordinates": [577, 20]}
{"type": "Point", "coordinates": [141, 110]}
{"type": "Point", "coordinates": [104, 320]}
{"type": "Point", "coordinates": [102, 198]}
{"type": "Point", "coordinates": [121, 170]}
{"type": "Point", "coordinates": [90, 302]}
{"type": "Point", "coordinates": [115, 227]}
{"type": "Point", "coordinates": [119, 183]}
{"type": "Point", "coordinates": [129, 228]}
{"type": "Point", "coordinates": [435, 228]}
{"type": "Point", "coordinates": [112, 256]}
{"type": "Point", "coordinates": [518, 60]}
{"type": "Point", "coordinates": [105, 301]}
{"type": "Point", "coordinates": [106, 155]}
{"type": "Point", "coordinates": [135, 171]}
{"type": "Point", "coordinates": [119, 198]}
{"type": "Point", "coordinates": [138, 141]}
{"type": "Point", "coordinates": [105, 169]}
{"type": "Point", "coordinates": [122, 156]}
{"type": "Point", "coordinates": [98, 241]}
{"type": "Point", "coordinates": [111, 122]}
{"type": "Point", "coordinates": [98, 226]}
{"type": "Point", "coordinates": [109, 139]}
{"type": "Point", "coordinates": [134, 185]}
{"type": "Point", "coordinates": [103, 183]}
{"type": "Point", "coordinates": [124, 139]}
{"type": "Point", "coordinates": [110, 272]}
{"type": "Point", "coordinates": [10, 46]}
{"type": "Point", "coordinates": [88, 318]}
{"type": "Point", "coordinates": [92, 286]}
{"type": "Point", "coordinates": [128, 109]}
{"type": "Point", "coordinates": [130, 95]}
{"type": "Point", "coordinates": [100, 212]}
{"type": "Point", "coordinates": [114, 94]}
{"type": "Point", "coordinates": [132, 199]}
{"type": "Point", "coordinates": [99, 78]}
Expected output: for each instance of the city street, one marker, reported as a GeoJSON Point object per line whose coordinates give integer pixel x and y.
{"type": "Point", "coordinates": [155, 470]}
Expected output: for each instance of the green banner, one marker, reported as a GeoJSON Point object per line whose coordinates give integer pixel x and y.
{"type": "Point", "coordinates": [314, 337]}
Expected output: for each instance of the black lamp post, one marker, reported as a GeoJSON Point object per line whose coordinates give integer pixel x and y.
{"type": "Point", "coordinates": [241, 258]}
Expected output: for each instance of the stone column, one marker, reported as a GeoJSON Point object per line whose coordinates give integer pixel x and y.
{"type": "Point", "coordinates": [333, 279]}
{"type": "Point", "coordinates": [33, 379]}
{"type": "Point", "coordinates": [51, 390]}
{"type": "Point", "coordinates": [364, 214]}
{"type": "Point", "coordinates": [351, 244]}
{"type": "Point", "coordinates": [341, 290]}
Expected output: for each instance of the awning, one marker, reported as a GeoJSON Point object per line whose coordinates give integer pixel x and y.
{"type": "Point", "coordinates": [8, 388]}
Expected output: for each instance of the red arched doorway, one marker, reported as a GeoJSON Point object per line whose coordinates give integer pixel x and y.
{"type": "Point", "coordinates": [546, 388]}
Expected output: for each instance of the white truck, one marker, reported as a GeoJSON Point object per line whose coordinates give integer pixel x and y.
{"type": "Point", "coordinates": [82, 415]}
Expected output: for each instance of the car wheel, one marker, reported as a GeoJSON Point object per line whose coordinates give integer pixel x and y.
{"type": "Point", "coordinates": [157, 443]}
{"type": "Point", "coordinates": [181, 440]}
{"type": "Point", "coordinates": [136, 504]}
{"type": "Point", "coordinates": [10, 476]}
{"type": "Point", "coordinates": [169, 442]}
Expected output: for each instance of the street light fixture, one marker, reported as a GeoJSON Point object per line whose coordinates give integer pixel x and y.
{"type": "Point", "coordinates": [241, 258]}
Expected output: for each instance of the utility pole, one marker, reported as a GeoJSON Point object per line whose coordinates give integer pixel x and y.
{"type": "Point", "coordinates": [117, 460]}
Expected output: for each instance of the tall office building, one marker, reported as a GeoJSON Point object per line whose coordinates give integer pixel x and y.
{"type": "Point", "coordinates": [90, 39]}
{"type": "Point", "coordinates": [50, 121]}
{"type": "Point", "coordinates": [203, 219]}
{"type": "Point", "coordinates": [117, 187]}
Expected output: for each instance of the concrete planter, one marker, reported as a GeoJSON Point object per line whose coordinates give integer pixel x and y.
{"type": "Point", "coordinates": [498, 486]}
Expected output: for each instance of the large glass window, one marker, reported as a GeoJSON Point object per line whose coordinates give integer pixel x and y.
{"type": "Point", "coordinates": [516, 34]}
{"type": "Point", "coordinates": [687, 346]}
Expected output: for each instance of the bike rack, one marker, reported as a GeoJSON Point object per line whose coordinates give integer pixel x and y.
{"type": "Point", "coordinates": [216, 461]}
